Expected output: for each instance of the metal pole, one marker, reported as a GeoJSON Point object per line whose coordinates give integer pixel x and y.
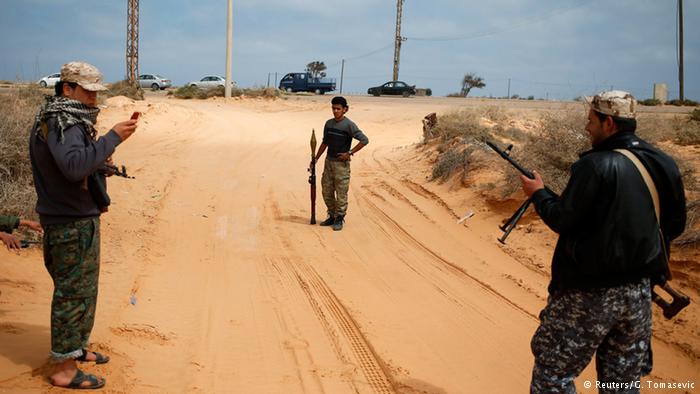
{"type": "Point", "coordinates": [229, 39]}
{"type": "Point", "coordinates": [680, 49]}
{"type": "Point", "coordinates": [132, 41]}
{"type": "Point", "coordinates": [268, 80]}
{"type": "Point", "coordinates": [508, 88]}
{"type": "Point", "coordinates": [342, 70]}
{"type": "Point", "coordinates": [275, 78]}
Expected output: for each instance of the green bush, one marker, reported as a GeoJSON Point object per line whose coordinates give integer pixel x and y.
{"type": "Point", "coordinates": [686, 102]}
{"type": "Point", "coordinates": [650, 102]}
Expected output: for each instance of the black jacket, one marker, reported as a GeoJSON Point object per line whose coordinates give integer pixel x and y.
{"type": "Point", "coordinates": [608, 231]}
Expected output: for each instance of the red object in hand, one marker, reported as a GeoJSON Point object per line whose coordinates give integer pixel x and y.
{"type": "Point", "coordinates": [135, 115]}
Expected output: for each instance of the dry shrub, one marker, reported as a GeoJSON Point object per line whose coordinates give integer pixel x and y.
{"type": "Point", "coordinates": [496, 114]}
{"type": "Point", "coordinates": [458, 132]}
{"type": "Point", "coordinates": [465, 124]}
{"type": "Point", "coordinates": [124, 88]}
{"type": "Point", "coordinates": [555, 149]}
{"type": "Point", "coordinates": [453, 159]}
{"type": "Point", "coordinates": [691, 236]}
{"type": "Point", "coordinates": [688, 133]}
{"type": "Point", "coordinates": [695, 115]}
{"type": "Point", "coordinates": [17, 111]}
{"type": "Point", "coordinates": [189, 92]}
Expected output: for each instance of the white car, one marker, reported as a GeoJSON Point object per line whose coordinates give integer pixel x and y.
{"type": "Point", "coordinates": [211, 81]}
{"type": "Point", "coordinates": [49, 80]}
{"type": "Point", "coordinates": [154, 81]}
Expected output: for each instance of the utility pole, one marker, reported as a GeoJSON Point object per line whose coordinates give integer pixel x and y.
{"type": "Point", "coordinates": [508, 96]}
{"type": "Point", "coordinates": [342, 70]}
{"type": "Point", "coordinates": [229, 39]}
{"type": "Point", "coordinates": [398, 39]}
{"type": "Point", "coordinates": [680, 49]}
{"type": "Point", "coordinates": [132, 41]}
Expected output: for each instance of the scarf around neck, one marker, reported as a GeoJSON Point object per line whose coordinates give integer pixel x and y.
{"type": "Point", "coordinates": [69, 112]}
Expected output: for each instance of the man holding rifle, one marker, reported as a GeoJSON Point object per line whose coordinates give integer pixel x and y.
{"type": "Point", "coordinates": [615, 229]}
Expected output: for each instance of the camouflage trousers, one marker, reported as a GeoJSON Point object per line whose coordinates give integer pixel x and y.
{"type": "Point", "coordinates": [613, 323]}
{"type": "Point", "coordinates": [72, 258]}
{"type": "Point", "coordinates": [335, 183]}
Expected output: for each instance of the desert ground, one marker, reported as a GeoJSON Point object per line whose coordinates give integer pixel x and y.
{"type": "Point", "coordinates": [213, 280]}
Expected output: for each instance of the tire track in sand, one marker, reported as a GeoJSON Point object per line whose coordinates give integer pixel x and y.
{"type": "Point", "coordinates": [333, 315]}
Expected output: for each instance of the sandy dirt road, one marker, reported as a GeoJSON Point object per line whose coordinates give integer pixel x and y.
{"type": "Point", "coordinates": [213, 280]}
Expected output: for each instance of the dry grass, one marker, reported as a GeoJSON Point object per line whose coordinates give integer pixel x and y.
{"type": "Point", "coordinates": [17, 111]}
{"type": "Point", "coordinates": [190, 92]}
{"type": "Point", "coordinates": [550, 147]}
{"type": "Point", "coordinates": [124, 88]}
{"type": "Point", "coordinates": [455, 158]}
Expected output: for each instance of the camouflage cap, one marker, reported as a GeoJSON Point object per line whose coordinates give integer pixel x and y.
{"type": "Point", "coordinates": [84, 74]}
{"type": "Point", "coordinates": [614, 103]}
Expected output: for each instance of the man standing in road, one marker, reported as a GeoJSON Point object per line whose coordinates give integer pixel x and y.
{"type": "Point", "coordinates": [65, 153]}
{"type": "Point", "coordinates": [615, 230]}
{"type": "Point", "coordinates": [338, 133]}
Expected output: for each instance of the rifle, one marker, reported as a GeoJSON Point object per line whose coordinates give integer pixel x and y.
{"type": "Point", "coordinates": [670, 309]}
{"type": "Point", "coordinates": [510, 224]}
{"type": "Point", "coordinates": [24, 243]}
{"type": "Point", "coordinates": [312, 176]}
{"type": "Point", "coordinates": [119, 171]}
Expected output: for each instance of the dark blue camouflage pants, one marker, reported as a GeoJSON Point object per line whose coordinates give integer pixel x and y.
{"type": "Point", "coordinates": [613, 323]}
{"type": "Point", "coordinates": [72, 258]}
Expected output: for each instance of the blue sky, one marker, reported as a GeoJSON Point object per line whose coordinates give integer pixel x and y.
{"type": "Point", "coordinates": [547, 48]}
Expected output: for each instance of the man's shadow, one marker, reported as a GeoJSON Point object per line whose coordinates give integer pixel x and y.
{"type": "Point", "coordinates": [23, 344]}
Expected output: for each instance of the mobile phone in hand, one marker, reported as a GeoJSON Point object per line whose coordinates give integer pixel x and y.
{"type": "Point", "coordinates": [135, 115]}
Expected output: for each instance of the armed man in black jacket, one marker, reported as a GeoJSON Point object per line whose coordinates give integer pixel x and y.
{"type": "Point", "coordinates": [613, 247]}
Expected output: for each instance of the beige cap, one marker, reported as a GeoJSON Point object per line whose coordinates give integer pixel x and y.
{"type": "Point", "coordinates": [84, 74]}
{"type": "Point", "coordinates": [616, 103]}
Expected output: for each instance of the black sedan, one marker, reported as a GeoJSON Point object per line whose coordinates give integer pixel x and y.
{"type": "Point", "coordinates": [393, 88]}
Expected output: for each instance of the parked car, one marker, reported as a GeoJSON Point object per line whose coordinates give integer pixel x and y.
{"type": "Point", "coordinates": [211, 81]}
{"type": "Point", "coordinates": [154, 81]}
{"type": "Point", "coordinates": [305, 82]}
{"type": "Point", "coordinates": [49, 80]}
{"type": "Point", "coordinates": [393, 88]}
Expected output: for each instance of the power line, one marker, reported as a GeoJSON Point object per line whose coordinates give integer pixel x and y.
{"type": "Point", "coordinates": [513, 26]}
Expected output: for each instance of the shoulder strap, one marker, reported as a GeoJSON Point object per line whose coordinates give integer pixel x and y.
{"type": "Point", "coordinates": [647, 179]}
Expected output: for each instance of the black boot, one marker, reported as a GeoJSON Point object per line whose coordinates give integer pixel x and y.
{"type": "Point", "coordinates": [328, 222]}
{"type": "Point", "coordinates": [338, 225]}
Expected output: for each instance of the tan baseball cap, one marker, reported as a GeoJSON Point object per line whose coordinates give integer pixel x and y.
{"type": "Point", "coordinates": [84, 74]}
{"type": "Point", "coordinates": [616, 103]}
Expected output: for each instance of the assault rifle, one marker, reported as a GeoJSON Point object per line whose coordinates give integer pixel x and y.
{"type": "Point", "coordinates": [510, 224]}
{"type": "Point", "coordinates": [24, 243]}
{"type": "Point", "coordinates": [119, 171]}
{"type": "Point", "coordinates": [670, 309]}
{"type": "Point", "coordinates": [312, 176]}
